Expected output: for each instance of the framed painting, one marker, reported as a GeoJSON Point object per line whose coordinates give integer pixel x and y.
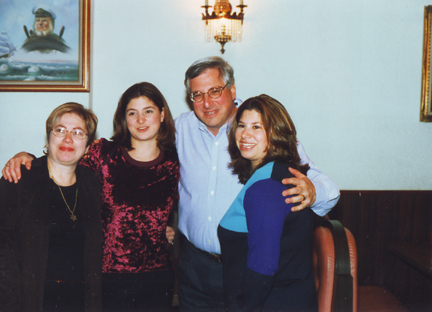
{"type": "Point", "coordinates": [425, 102]}
{"type": "Point", "coordinates": [45, 45]}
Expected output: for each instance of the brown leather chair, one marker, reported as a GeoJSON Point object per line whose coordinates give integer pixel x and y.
{"type": "Point", "coordinates": [335, 267]}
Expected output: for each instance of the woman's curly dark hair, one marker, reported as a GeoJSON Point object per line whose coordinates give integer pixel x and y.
{"type": "Point", "coordinates": [280, 132]}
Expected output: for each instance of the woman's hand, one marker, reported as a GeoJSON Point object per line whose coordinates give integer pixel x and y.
{"type": "Point", "coordinates": [170, 234]}
{"type": "Point", "coordinates": [303, 191]}
{"type": "Point", "coordinates": [12, 169]}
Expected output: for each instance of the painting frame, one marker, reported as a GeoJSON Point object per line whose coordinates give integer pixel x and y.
{"type": "Point", "coordinates": [426, 87]}
{"type": "Point", "coordinates": [82, 84]}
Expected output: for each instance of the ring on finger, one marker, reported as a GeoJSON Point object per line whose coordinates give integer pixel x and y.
{"type": "Point", "coordinates": [304, 197]}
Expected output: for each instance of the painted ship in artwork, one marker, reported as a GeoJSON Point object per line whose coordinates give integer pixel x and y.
{"type": "Point", "coordinates": [7, 49]}
{"type": "Point", "coordinates": [18, 70]}
{"type": "Point", "coordinates": [40, 54]}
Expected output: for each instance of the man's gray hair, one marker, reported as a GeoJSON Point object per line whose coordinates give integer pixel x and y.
{"type": "Point", "coordinates": [198, 67]}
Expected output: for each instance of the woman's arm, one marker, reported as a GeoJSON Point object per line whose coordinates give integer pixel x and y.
{"type": "Point", "coordinates": [12, 169]}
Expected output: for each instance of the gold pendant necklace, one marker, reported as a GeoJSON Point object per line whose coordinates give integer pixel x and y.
{"type": "Point", "coordinates": [73, 216]}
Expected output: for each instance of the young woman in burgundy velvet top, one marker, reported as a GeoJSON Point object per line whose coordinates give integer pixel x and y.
{"type": "Point", "coordinates": [139, 174]}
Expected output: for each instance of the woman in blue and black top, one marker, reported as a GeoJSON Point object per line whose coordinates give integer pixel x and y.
{"type": "Point", "coordinates": [266, 248]}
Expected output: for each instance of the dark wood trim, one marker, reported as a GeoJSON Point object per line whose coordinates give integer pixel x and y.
{"type": "Point", "coordinates": [379, 218]}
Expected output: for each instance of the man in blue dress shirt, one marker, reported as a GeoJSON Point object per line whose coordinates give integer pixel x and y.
{"type": "Point", "coordinates": [207, 187]}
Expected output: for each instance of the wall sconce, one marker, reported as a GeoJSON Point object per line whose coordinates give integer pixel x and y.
{"type": "Point", "coordinates": [221, 25]}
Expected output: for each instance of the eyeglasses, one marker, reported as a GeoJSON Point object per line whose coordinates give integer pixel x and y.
{"type": "Point", "coordinates": [60, 132]}
{"type": "Point", "coordinates": [214, 93]}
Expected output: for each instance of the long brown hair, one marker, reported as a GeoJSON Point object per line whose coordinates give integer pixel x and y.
{"type": "Point", "coordinates": [280, 132]}
{"type": "Point", "coordinates": [166, 134]}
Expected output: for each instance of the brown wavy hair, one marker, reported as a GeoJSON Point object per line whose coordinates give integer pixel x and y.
{"type": "Point", "coordinates": [166, 134]}
{"type": "Point", "coordinates": [280, 132]}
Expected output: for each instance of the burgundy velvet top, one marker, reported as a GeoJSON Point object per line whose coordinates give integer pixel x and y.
{"type": "Point", "coordinates": [136, 200]}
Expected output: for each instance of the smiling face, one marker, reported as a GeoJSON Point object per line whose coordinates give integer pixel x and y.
{"type": "Point", "coordinates": [251, 138]}
{"type": "Point", "coordinates": [43, 26]}
{"type": "Point", "coordinates": [67, 151]}
{"type": "Point", "coordinates": [42, 23]}
{"type": "Point", "coordinates": [214, 113]}
{"type": "Point", "coordinates": [143, 120]}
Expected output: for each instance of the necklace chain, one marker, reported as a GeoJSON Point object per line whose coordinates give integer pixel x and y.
{"type": "Point", "coordinates": [73, 216]}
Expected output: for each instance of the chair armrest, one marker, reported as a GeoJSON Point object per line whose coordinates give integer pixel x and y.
{"type": "Point", "coordinates": [343, 282]}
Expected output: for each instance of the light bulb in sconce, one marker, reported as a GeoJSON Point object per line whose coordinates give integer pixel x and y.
{"type": "Point", "coordinates": [221, 25]}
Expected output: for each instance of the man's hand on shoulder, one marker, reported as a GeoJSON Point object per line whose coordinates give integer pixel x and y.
{"type": "Point", "coordinates": [303, 191]}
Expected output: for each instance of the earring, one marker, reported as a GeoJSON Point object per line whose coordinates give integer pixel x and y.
{"type": "Point", "coordinates": [45, 150]}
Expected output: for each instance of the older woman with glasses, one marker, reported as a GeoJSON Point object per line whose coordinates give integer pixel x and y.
{"type": "Point", "coordinates": [50, 225]}
{"type": "Point", "coordinates": [139, 172]}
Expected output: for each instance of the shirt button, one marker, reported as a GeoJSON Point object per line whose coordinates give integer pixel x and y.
{"type": "Point", "coordinates": [212, 192]}
{"type": "Point", "coordinates": [208, 242]}
{"type": "Point", "coordinates": [214, 167]}
{"type": "Point", "coordinates": [209, 218]}
{"type": "Point", "coordinates": [216, 143]}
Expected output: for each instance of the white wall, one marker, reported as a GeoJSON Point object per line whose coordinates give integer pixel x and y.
{"type": "Point", "coordinates": [348, 72]}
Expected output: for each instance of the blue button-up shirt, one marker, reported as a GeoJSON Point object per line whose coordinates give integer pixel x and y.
{"type": "Point", "coordinates": [207, 187]}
